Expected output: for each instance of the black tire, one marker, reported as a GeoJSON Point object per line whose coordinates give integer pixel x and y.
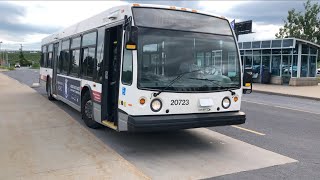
{"type": "Point", "coordinates": [87, 111]}
{"type": "Point", "coordinates": [49, 94]}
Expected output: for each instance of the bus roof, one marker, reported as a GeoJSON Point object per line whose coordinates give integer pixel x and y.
{"type": "Point", "coordinates": [109, 16]}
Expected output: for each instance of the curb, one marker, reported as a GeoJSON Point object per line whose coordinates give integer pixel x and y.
{"type": "Point", "coordinates": [287, 95]}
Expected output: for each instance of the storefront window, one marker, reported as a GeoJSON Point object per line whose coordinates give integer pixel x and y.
{"type": "Point", "coordinates": [256, 52]}
{"type": "Point", "coordinates": [256, 66]}
{"type": "Point", "coordinates": [304, 66]}
{"type": "Point", "coordinates": [248, 61]}
{"type": "Point", "coordinates": [275, 65]}
{"type": "Point", "coordinates": [286, 65]}
{"type": "Point", "coordinates": [286, 51]}
{"type": "Point", "coordinates": [248, 52]}
{"type": "Point", "coordinates": [312, 66]}
{"type": "Point", "coordinates": [305, 49]}
{"type": "Point", "coordinates": [295, 50]}
{"type": "Point", "coordinates": [276, 51]}
{"type": "Point", "coordinates": [293, 69]}
{"type": "Point", "coordinates": [313, 51]}
{"type": "Point", "coordinates": [266, 51]}
{"type": "Point", "coordinates": [266, 63]}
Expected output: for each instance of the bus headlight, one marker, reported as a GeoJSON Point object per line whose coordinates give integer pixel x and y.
{"type": "Point", "coordinates": [226, 102]}
{"type": "Point", "coordinates": [156, 105]}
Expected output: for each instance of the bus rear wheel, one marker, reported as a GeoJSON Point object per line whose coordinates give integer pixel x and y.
{"type": "Point", "coordinates": [49, 94]}
{"type": "Point", "coordinates": [87, 112]}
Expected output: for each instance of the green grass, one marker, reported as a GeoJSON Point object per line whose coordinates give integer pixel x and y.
{"type": "Point", "coordinates": [8, 68]}
{"type": "Point", "coordinates": [35, 66]}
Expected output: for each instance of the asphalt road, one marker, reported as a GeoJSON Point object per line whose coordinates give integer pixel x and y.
{"type": "Point", "coordinates": [285, 125]}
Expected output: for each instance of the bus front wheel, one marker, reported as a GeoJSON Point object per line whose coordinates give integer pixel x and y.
{"type": "Point", "coordinates": [87, 111]}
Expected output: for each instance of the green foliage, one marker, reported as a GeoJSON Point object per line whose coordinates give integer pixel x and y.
{"type": "Point", "coordinates": [35, 66]}
{"type": "Point", "coordinates": [304, 25]}
{"type": "Point", "coordinates": [8, 68]}
{"type": "Point", "coordinates": [31, 57]}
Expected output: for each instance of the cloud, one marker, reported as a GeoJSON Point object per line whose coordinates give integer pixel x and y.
{"type": "Point", "coordinates": [264, 12]}
{"type": "Point", "coordinates": [10, 21]}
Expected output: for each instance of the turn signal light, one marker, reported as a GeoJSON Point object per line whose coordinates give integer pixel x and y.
{"type": "Point", "coordinates": [131, 46]}
{"type": "Point", "coordinates": [142, 101]}
{"type": "Point", "coordinates": [248, 84]}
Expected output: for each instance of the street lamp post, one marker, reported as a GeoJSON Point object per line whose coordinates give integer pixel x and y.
{"type": "Point", "coordinates": [0, 50]}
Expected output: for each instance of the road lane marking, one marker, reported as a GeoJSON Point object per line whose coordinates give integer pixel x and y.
{"type": "Point", "coordinates": [248, 130]}
{"type": "Point", "coordinates": [288, 108]}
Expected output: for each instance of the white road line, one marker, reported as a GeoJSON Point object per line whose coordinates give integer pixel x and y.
{"type": "Point", "coordinates": [294, 109]}
{"type": "Point", "coordinates": [248, 130]}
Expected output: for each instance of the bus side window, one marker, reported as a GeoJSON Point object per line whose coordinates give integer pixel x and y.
{"type": "Point", "coordinates": [64, 57]}
{"type": "Point", "coordinates": [49, 58]}
{"type": "Point", "coordinates": [45, 56]}
{"type": "Point", "coordinates": [100, 54]}
{"type": "Point", "coordinates": [126, 77]}
{"type": "Point", "coordinates": [41, 60]}
{"type": "Point", "coordinates": [88, 55]}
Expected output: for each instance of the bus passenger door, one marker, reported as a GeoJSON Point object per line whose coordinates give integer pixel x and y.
{"type": "Point", "coordinates": [54, 67]}
{"type": "Point", "coordinates": [110, 85]}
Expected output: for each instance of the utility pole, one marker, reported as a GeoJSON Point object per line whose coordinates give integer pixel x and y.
{"type": "Point", "coordinates": [0, 51]}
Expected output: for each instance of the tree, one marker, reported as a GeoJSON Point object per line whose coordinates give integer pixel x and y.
{"type": "Point", "coordinates": [304, 25]}
{"type": "Point", "coordinates": [22, 60]}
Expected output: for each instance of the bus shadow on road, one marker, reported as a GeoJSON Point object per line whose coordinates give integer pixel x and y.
{"type": "Point", "coordinates": [163, 142]}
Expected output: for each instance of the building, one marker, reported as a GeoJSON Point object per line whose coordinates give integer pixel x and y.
{"type": "Point", "coordinates": [289, 61]}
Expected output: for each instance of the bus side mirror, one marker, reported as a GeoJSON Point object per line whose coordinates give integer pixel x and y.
{"type": "Point", "coordinates": [131, 34]}
{"type": "Point", "coordinates": [247, 81]}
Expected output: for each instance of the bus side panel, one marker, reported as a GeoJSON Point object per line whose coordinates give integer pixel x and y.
{"type": "Point", "coordinates": [44, 73]}
{"type": "Point", "coordinates": [69, 89]}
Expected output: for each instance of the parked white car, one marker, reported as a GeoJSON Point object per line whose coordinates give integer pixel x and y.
{"type": "Point", "coordinates": [318, 71]}
{"type": "Point", "coordinates": [17, 65]}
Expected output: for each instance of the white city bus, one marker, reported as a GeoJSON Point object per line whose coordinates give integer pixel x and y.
{"type": "Point", "coordinates": [147, 68]}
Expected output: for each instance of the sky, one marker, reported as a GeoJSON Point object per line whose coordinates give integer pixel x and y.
{"type": "Point", "coordinates": [27, 22]}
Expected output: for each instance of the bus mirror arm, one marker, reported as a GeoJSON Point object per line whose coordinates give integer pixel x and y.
{"type": "Point", "coordinates": [131, 33]}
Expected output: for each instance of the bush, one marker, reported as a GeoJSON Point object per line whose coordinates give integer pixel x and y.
{"type": "Point", "coordinates": [10, 68]}
{"type": "Point", "coordinates": [35, 66]}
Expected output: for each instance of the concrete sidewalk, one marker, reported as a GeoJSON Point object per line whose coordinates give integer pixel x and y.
{"type": "Point", "coordinates": [38, 140]}
{"type": "Point", "coordinates": [307, 92]}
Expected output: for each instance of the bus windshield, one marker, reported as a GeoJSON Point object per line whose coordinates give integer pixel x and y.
{"type": "Point", "coordinates": [172, 43]}
{"type": "Point", "coordinates": [163, 55]}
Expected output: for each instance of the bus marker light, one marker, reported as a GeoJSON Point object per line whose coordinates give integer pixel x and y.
{"type": "Point", "coordinates": [248, 84]}
{"type": "Point", "coordinates": [129, 104]}
{"type": "Point", "coordinates": [184, 9]}
{"type": "Point", "coordinates": [136, 5]}
{"type": "Point", "coordinates": [131, 46]}
{"type": "Point", "coordinates": [172, 7]}
{"type": "Point", "coordinates": [193, 10]}
{"type": "Point", "coordinates": [235, 98]}
{"type": "Point", "coordinates": [142, 101]}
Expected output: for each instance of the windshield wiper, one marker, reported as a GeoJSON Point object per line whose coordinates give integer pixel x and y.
{"type": "Point", "coordinates": [173, 81]}
{"type": "Point", "coordinates": [215, 82]}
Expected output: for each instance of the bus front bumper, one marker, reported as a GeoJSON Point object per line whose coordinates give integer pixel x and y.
{"type": "Point", "coordinates": [184, 121]}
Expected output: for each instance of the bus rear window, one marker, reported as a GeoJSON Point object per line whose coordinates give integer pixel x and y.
{"type": "Point", "coordinates": [180, 20]}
